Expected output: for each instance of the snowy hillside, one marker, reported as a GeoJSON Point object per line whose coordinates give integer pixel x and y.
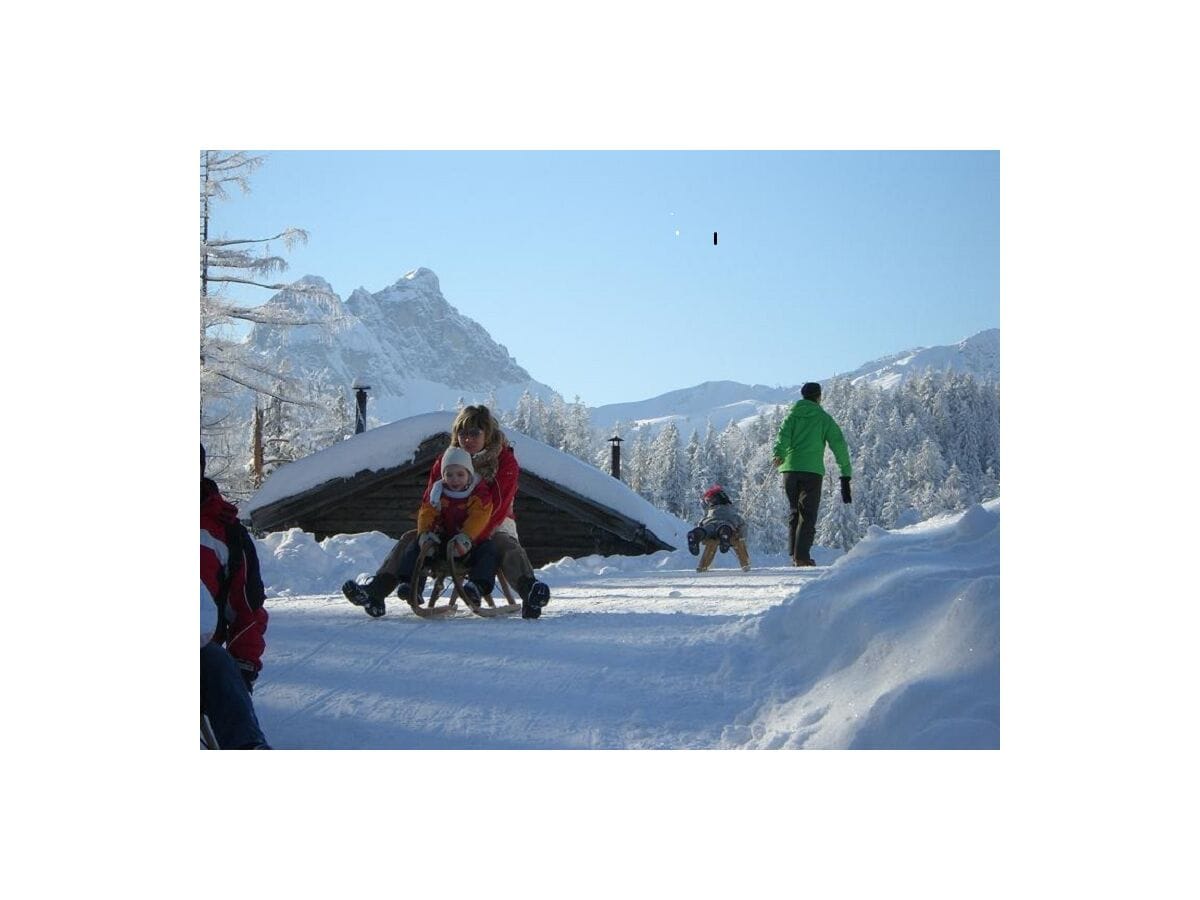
{"type": "Point", "coordinates": [691, 408]}
{"type": "Point", "coordinates": [723, 402]}
{"type": "Point", "coordinates": [895, 644]}
{"type": "Point", "coordinates": [978, 355]}
{"type": "Point", "coordinates": [414, 349]}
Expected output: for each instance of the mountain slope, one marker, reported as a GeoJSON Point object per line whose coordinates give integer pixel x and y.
{"type": "Point", "coordinates": [723, 402]}
{"type": "Point", "coordinates": [978, 355]}
{"type": "Point", "coordinates": [692, 408]}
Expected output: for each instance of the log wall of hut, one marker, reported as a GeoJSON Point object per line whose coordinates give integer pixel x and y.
{"type": "Point", "coordinates": [553, 521]}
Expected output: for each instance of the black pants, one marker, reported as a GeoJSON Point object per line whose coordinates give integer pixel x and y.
{"type": "Point", "coordinates": [803, 491]}
{"type": "Point", "coordinates": [480, 563]}
{"type": "Point", "coordinates": [226, 701]}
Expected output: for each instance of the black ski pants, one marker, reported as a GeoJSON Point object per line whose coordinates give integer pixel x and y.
{"type": "Point", "coordinates": [225, 699]}
{"type": "Point", "coordinates": [803, 490]}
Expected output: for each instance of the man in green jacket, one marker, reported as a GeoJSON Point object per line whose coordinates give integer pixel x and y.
{"type": "Point", "coordinates": [800, 457]}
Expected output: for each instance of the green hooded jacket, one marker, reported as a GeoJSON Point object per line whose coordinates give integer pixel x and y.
{"type": "Point", "coordinates": [802, 439]}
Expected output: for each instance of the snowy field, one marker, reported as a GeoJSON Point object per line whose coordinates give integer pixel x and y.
{"type": "Point", "coordinates": [894, 645]}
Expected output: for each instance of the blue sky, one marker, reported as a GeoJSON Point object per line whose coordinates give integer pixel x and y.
{"type": "Point", "coordinates": [571, 260]}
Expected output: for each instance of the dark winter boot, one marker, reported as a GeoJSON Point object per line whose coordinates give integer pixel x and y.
{"type": "Point", "coordinates": [724, 536]}
{"type": "Point", "coordinates": [533, 591]}
{"type": "Point", "coordinates": [534, 595]}
{"type": "Point", "coordinates": [805, 561]}
{"type": "Point", "coordinates": [376, 608]}
{"type": "Point", "coordinates": [694, 537]}
{"type": "Point", "coordinates": [471, 594]}
{"type": "Point", "coordinates": [356, 593]}
{"type": "Point", "coordinates": [370, 595]}
{"type": "Point", "coordinates": [404, 590]}
{"type": "Point", "coordinates": [539, 594]}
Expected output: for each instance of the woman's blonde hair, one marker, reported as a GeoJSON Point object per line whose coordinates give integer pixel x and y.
{"type": "Point", "coordinates": [475, 417]}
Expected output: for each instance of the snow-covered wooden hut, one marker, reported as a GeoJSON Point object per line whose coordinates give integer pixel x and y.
{"type": "Point", "coordinates": [374, 482]}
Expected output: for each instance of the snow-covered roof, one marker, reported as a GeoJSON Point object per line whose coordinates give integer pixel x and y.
{"type": "Point", "coordinates": [394, 445]}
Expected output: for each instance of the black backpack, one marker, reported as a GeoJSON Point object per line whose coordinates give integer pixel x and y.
{"type": "Point", "coordinates": [238, 537]}
{"type": "Point", "coordinates": [241, 553]}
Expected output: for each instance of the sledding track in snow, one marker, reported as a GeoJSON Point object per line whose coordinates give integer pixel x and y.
{"type": "Point", "coordinates": [637, 657]}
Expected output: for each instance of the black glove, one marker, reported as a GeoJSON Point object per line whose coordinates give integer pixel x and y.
{"type": "Point", "coordinates": [248, 674]}
{"type": "Point", "coordinates": [845, 488]}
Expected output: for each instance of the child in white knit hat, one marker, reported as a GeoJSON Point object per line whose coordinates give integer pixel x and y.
{"type": "Point", "coordinates": [457, 507]}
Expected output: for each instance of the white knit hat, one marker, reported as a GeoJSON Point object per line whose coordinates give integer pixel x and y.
{"type": "Point", "coordinates": [457, 456]}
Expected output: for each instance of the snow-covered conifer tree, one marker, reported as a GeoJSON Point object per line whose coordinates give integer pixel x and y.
{"type": "Point", "coordinates": [952, 494]}
{"type": "Point", "coordinates": [731, 449]}
{"type": "Point", "coordinates": [698, 479]}
{"type": "Point", "coordinates": [714, 458]}
{"type": "Point", "coordinates": [554, 422]}
{"type": "Point", "coordinates": [638, 462]}
{"type": "Point", "coordinates": [524, 416]}
{"type": "Point", "coordinates": [839, 525]}
{"type": "Point", "coordinates": [926, 472]}
{"type": "Point", "coordinates": [579, 439]}
{"type": "Point", "coordinates": [665, 480]}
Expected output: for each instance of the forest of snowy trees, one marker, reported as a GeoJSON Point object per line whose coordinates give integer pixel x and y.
{"type": "Point", "coordinates": [931, 445]}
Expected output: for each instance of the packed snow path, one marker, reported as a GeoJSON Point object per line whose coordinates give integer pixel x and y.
{"type": "Point", "coordinates": [896, 644]}
{"type": "Point", "coordinates": [637, 657]}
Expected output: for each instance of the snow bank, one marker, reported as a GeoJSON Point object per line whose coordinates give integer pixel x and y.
{"type": "Point", "coordinates": [295, 564]}
{"type": "Point", "coordinates": [897, 645]}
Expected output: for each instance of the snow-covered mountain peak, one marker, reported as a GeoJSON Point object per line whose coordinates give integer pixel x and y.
{"type": "Point", "coordinates": [416, 284]}
{"type": "Point", "coordinates": [417, 351]}
{"type": "Point", "coordinates": [422, 276]}
{"type": "Point", "coordinates": [313, 281]}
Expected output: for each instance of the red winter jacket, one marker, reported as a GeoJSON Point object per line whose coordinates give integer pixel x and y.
{"type": "Point", "coordinates": [227, 568]}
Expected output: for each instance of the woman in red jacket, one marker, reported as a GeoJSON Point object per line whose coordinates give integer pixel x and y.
{"type": "Point", "coordinates": [476, 431]}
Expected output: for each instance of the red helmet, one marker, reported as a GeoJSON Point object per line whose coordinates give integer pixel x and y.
{"type": "Point", "coordinates": [715, 496]}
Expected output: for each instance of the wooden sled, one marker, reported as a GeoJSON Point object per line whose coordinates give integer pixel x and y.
{"type": "Point", "coordinates": [439, 568]}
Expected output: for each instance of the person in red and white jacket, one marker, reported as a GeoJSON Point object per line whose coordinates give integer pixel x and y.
{"type": "Point", "coordinates": [230, 579]}
{"type": "Point", "coordinates": [233, 623]}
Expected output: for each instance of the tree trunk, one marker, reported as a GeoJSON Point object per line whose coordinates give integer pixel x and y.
{"type": "Point", "coordinates": [257, 475]}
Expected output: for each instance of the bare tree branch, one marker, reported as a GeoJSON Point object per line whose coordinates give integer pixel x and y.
{"type": "Point", "coordinates": [231, 280]}
{"type": "Point", "coordinates": [266, 391]}
{"type": "Point", "coordinates": [292, 234]}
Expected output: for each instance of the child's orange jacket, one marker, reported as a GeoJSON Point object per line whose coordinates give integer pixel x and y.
{"type": "Point", "coordinates": [448, 512]}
